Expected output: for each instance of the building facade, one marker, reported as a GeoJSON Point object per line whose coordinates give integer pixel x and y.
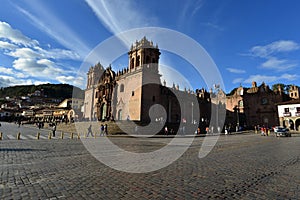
{"type": "Point", "coordinates": [249, 107]}
{"type": "Point", "coordinates": [289, 111]}
{"type": "Point", "coordinates": [131, 93]}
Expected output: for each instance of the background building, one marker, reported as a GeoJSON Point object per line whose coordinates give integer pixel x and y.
{"type": "Point", "coordinates": [289, 114]}
{"type": "Point", "coordinates": [249, 107]}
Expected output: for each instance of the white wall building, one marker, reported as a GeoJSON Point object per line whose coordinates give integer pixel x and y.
{"type": "Point", "coordinates": [289, 114]}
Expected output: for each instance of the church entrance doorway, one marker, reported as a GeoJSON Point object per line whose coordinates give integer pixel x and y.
{"type": "Point", "coordinates": [120, 114]}
{"type": "Point", "coordinates": [103, 111]}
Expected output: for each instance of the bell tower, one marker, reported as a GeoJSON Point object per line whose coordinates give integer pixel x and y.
{"type": "Point", "coordinates": [139, 85]}
{"type": "Point", "coordinates": [294, 92]}
{"type": "Point", "coordinates": [143, 53]}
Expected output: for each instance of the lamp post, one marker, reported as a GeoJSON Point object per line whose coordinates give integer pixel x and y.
{"type": "Point", "coordinates": [217, 90]}
{"type": "Point", "coordinates": [237, 118]}
{"type": "Point", "coordinates": [192, 112]}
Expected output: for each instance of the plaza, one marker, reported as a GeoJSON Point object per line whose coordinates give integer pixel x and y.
{"type": "Point", "coordinates": [241, 166]}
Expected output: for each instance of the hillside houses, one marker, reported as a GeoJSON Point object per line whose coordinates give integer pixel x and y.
{"type": "Point", "coordinates": [37, 107]}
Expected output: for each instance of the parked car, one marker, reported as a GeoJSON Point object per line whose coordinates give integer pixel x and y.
{"type": "Point", "coordinates": [281, 131]}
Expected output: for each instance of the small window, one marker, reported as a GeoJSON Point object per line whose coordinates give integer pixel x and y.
{"type": "Point", "coordinates": [241, 103]}
{"type": "Point", "coordinates": [264, 101]}
{"type": "Point", "coordinates": [286, 110]}
{"type": "Point", "coordinates": [132, 93]}
{"type": "Point", "coordinates": [122, 88]}
{"type": "Point", "coordinates": [298, 109]}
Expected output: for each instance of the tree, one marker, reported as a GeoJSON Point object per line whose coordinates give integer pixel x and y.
{"type": "Point", "coordinates": [284, 88]}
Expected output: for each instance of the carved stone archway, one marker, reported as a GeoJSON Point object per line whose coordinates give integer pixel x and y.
{"type": "Point", "coordinates": [104, 94]}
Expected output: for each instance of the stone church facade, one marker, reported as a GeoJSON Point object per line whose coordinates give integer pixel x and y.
{"type": "Point", "coordinates": [257, 105]}
{"type": "Point", "coordinates": [130, 94]}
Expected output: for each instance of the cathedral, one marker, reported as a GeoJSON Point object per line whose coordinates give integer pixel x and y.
{"type": "Point", "coordinates": [134, 92]}
{"type": "Point", "coordinates": [130, 94]}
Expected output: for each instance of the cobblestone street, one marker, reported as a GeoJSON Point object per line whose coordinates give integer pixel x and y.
{"type": "Point", "coordinates": [239, 167]}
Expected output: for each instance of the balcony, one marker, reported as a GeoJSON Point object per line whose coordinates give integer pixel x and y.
{"type": "Point", "coordinates": [297, 114]}
{"type": "Point", "coordinates": [287, 114]}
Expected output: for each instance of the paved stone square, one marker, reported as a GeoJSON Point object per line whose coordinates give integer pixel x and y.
{"type": "Point", "coordinates": [245, 166]}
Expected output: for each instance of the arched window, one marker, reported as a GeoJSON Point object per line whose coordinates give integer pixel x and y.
{"type": "Point", "coordinates": [147, 59]}
{"type": "Point", "coordinates": [241, 103]}
{"type": "Point", "coordinates": [122, 88]}
{"type": "Point", "coordinates": [132, 63]}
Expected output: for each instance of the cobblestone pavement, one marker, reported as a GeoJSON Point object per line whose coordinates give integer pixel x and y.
{"type": "Point", "coordinates": [239, 167]}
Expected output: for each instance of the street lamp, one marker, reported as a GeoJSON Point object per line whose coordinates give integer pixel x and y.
{"type": "Point", "coordinates": [217, 90]}
{"type": "Point", "coordinates": [192, 112]}
{"type": "Point", "coordinates": [237, 118]}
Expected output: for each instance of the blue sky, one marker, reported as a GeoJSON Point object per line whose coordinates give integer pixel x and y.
{"type": "Point", "coordinates": [45, 41]}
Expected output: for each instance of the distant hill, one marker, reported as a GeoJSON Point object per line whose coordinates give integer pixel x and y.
{"type": "Point", "coordinates": [60, 91]}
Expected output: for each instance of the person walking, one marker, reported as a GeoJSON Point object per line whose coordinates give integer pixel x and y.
{"type": "Point", "coordinates": [53, 130]}
{"type": "Point", "coordinates": [166, 130]}
{"type": "Point", "coordinates": [90, 131]}
{"type": "Point", "coordinates": [102, 130]}
{"type": "Point", "coordinates": [105, 130]}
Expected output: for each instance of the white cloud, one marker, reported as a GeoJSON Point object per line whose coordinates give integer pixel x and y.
{"type": "Point", "coordinates": [38, 52]}
{"type": "Point", "coordinates": [32, 61]}
{"type": "Point", "coordinates": [46, 62]}
{"type": "Point", "coordinates": [40, 82]}
{"type": "Point", "coordinates": [236, 71]}
{"type": "Point", "coordinates": [72, 41]}
{"type": "Point", "coordinates": [7, 46]}
{"type": "Point", "coordinates": [290, 77]}
{"type": "Point", "coordinates": [65, 79]}
{"type": "Point", "coordinates": [58, 53]}
{"type": "Point", "coordinates": [76, 81]}
{"type": "Point", "coordinates": [15, 36]}
{"type": "Point", "coordinates": [42, 68]}
{"type": "Point", "coordinates": [273, 48]}
{"type": "Point", "coordinates": [28, 65]}
{"type": "Point", "coordinates": [271, 79]}
{"type": "Point", "coordinates": [272, 54]}
{"type": "Point", "coordinates": [4, 70]}
{"type": "Point", "coordinates": [6, 81]}
{"type": "Point", "coordinates": [238, 80]}
{"type": "Point", "coordinates": [10, 71]}
{"type": "Point", "coordinates": [24, 53]}
{"type": "Point", "coordinates": [119, 16]}
{"type": "Point", "coordinates": [279, 65]}
{"type": "Point", "coordinates": [189, 8]}
{"type": "Point", "coordinates": [212, 25]}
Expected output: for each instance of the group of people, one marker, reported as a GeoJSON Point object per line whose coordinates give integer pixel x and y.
{"type": "Point", "coordinates": [264, 131]}
{"type": "Point", "coordinates": [103, 130]}
{"type": "Point", "coordinates": [40, 125]}
{"type": "Point", "coordinates": [167, 131]}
